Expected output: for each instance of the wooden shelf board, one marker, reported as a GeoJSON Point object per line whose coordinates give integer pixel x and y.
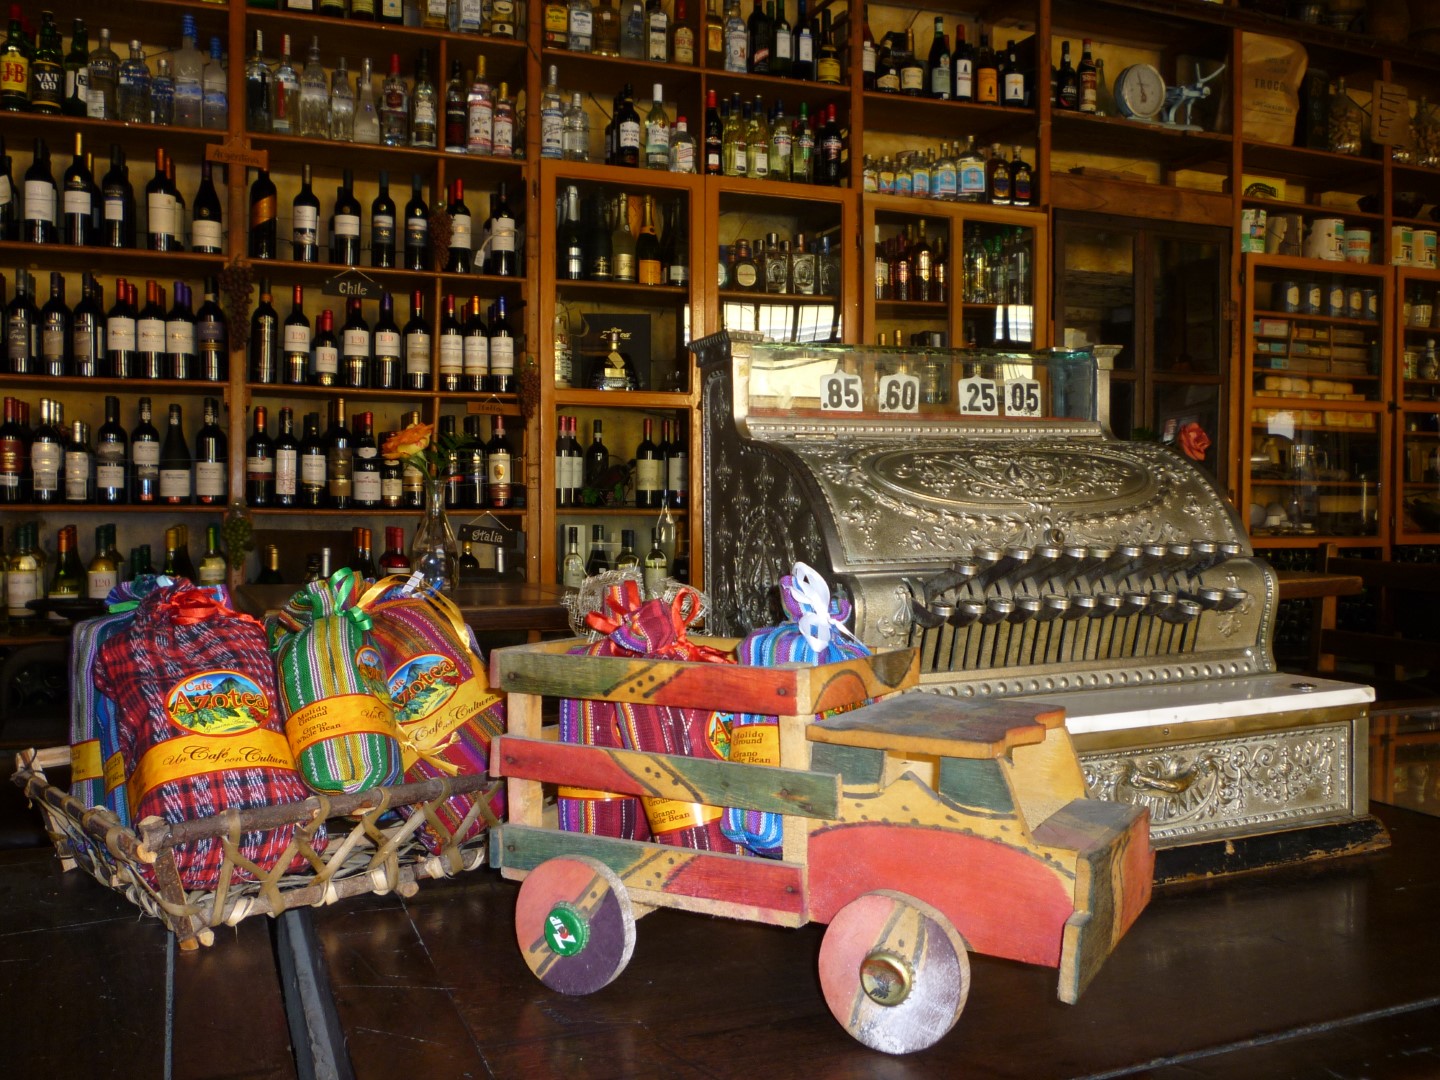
{"type": "Point", "coordinates": [1200, 150]}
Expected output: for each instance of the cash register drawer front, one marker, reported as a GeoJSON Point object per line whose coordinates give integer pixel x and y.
{"type": "Point", "coordinates": [1214, 778]}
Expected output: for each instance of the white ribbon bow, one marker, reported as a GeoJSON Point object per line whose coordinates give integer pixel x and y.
{"type": "Point", "coordinates": [812, 596]}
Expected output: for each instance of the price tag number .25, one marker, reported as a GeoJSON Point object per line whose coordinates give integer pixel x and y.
{"type": "Point", "coordinates": [840, 393]}
{"type": "Point", "coordinates": [979, 397]}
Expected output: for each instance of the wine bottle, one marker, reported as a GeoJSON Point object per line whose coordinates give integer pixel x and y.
{"type": "Point", "coordinates": [365, 478]}
{"type": "Point", "coordinates": [79, 465]}
{"type": "Point", "coordinates": [473, 468]}
{"type": "Point", "coordinates": [38, 218]}
{"type": "Point", "coordinates": [417, 345]}
{"type": "Point", "coordinates": [212, 472]}
{"type": "Point", "coordinates": [387, 359]}
{"type": "Point", "coordinates": [78, 200]}
{"type": "Point", "coordinates": [207, 229]}
{"type": "Point", "coordinates": [182, 361]}
{"type": "Point", "coordinates": [394, 560]}
{"type": "Point", "coordinates": [175, 475]}
{"type": "Point", "coordinates": [110, 444]}
{"type": "Point", "coordinates": [460, 258]}
{"type": "Point", "coordinates": [355, 347]}
{"type": "Point", "coordinates": [53, 331]}
{"type": "Point", "coordinates": [622, 242]}
{"type": "Point", "coordinates": [627, 559]}
{"type": "Point", "coordinates": [68, 581]}
{"type": "Point", "coordinates": [212, 333]}
{"type": "Point", "coordinates": [259, 461]}
{"type": "Point", "coordinates": [345, 224]}
{"type": "Point", "coordinates": [47, 69]}
{"type": "Point", "coordinates": [417, 229]}
{"type": "Point", "coordinates": [287, 461]}
{"type": "Point", "coordinates": [264, 234]}
{"type": "Point", "coordinates": [213, 567]}
{"type": "Point", "coordinates": [150, 357]}
{"type": "Point", "coordinates": [160, 228]}
{"type": "Point", "coordinates": [295, 342]}
{"type": "Point", "coordinates": [450, 462]}
{"type": "Point", "coordinates": [118, 197]}
{"type": "Point", "coordinates": [120, 333]}
{"type": "Point", "coordinates": [649, 470]}
{"type": "Point", "coordinates": [305, 222]}
{"type": "Point", "coordinates": [144, 458]}
{"type": "Point", "coordinates": [503, 258]}
{"type": "Point", "coordinates": [382, 225]}
{"type": "Point", "coordinates": [657, 567]}
{"type": "Point", "coordinates": [572, 569]}
{"type": "Point", "coordinates": [597, 456]}
{"type": "Point", "coordinates": [677, 471]}
{"type": "Point", "coordinates": [339, 459]}
{"type": "Point", "coordinates": [597, 561]}
{"type": "Point", "coordinates": [502, 350]}
{"type": "Point", "coordinates": [569, 238]}
{"type": "Point", "coordinates": [15, 484]}
{"type": "Point", "coordinates": [325, 352]}
{"type": "Point", "coordinates": [87, 331]}
{"type": "Point", "coordinates": [265, 338]}
{"type": "Point", "coordinates": [476, 370]}
{"type": "Point", "coordinates": [312, 464]}
{"type": "Point", "coordinates": [452, 348]}
{"type": "Point", "coordinates": [498, 474]}
{"type": "Point", "coordinates": [647, 247]}
{"type": "Point", "coordinates": [103, 573]}
{"type": "Point", "coordinates": [564, 493]}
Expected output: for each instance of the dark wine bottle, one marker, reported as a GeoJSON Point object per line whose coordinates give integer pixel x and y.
{"type": "Point", "coordinates": [461, 231]}
{"type": "Point", "coordinates": [305, 222]}
{"type": "Point", "coordinates": [387, 359]}
{"type": "Point", "coordinates": [355, 347]}
{"type": "Point", "coordinates": [502, 350]}
{"type": "Point", "coordinates": [259, 461]}
{"type": "Point", "coordinates": [339, 459]}
{"type": "Point", "coordinates": [365, 479]}
{"type": "Point", "coordinates": [499, 473]}
{"type": "Point", "coordinates": [649, 470]}
{"type": "Point", "coordinates": [77, 211]}
{"type": "Point", "coordinates": [87, 331]}
{"type": "Point", "coordinates": [47, 453]}
{"type": "Point", "coordinates": [325, 352]}
{"type": "Point", "coordinates": [38, 219]}
{"type": "Point", "coordinates": [264, 338]}
{"type": "Point", "coordinates": [161, 219]}
{"type": "Point", "coordinates": [477, 351]}
{"type": "Point", "coordinates": [119, 199]}
{"type": "Point", "coordinates": [382, 225]}
{"type": "Point", "coordinates": [503, 258]}
{"type": "Point", "coordinates": [175, 473]}
{"type": "Point", "coordinates": [295, 358]}
{"type": "Point", "coordinates": [312, 464]}
{"type": "Point", "coordinates": [264, 235]}
{"type": "Point", "coordinates": [207, 229]}
{"type": "Point", "coordinates": [417, 345]}
{"type": "Point", "coordinates": [120, 333]}
{"type": "Point", "coordinates": [452, 348]}
{"type": "Point", "coordinates": [110, 445]}
{"type": "Point", "coordinates": [181, 355]}
{"type": "Point", "coordinates": [144, 458]}
{"type": "Point", "coordinates": [212, 458]}
{"type": "Point", "coordinates": [287, 461]}
{"type": "Point", "coordinates": [417, 229]}
{"type": "Point", "coordinates": [212, 334]}
{"type": "Point", "coordinates": [150, 360]}
{"type": "Point", "coordinates": [53, 330]}
{"type": "Point", "coordinates": [345, 224]}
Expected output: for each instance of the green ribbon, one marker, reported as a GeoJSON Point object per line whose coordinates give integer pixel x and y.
{"type": "Point", "coordinates": [345, 582]}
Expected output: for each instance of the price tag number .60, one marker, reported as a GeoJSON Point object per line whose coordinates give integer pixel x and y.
{"type": "Point", "coordinates": [899, 394]}
{"type": "Point", "coordinates": [979, 397]}
{"type": "Point", "coordinates": [840, 393]}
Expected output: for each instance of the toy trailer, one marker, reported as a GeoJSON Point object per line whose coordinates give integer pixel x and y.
{"type": "Point", "coordinates": [918, 828]}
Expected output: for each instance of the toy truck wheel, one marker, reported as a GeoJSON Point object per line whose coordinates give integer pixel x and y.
{"type": "Point", "coordinates": [895, 973]}
{"type": "Point", "coordinates": [574, 923]}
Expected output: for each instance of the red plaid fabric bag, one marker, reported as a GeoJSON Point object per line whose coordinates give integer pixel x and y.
{"type": "Point", "coordinates": [201, 729]}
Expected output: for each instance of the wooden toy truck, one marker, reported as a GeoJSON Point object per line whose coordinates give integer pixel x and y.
{"type": "Point", "coordinates": [917, 827]}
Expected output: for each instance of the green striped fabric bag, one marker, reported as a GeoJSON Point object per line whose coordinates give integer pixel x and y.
{"type": "Point", "coordinates": [339, 717]}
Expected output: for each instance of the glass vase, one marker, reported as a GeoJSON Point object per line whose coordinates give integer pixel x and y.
{"type": "Point", "coordinates": [435, 553]}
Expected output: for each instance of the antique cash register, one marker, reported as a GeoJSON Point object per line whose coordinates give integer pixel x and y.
{"type": "Point", "coordinates": [972, 504]}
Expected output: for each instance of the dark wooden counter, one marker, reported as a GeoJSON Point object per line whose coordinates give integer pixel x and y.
{"type": "Point", "coordinates": [1331, 969]}
{"type": "Point", "coordinates": [490, 607]}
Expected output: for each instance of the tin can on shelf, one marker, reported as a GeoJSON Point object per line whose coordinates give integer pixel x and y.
{"type": "Point", "coordinates": [1287, 296]}
{"type": "Point", "coordinates": [1312, 298]}
{"type": "Point", "coordinates": [1335, 300]}
{"type": "Point", "coordinates": [1371, 304]}
{"type": "Point", "coordinates": [1354, 302]}
{"type": "Point", "coordinates": [1402, 245]}
{"type": "Point", "coordinates": [1424, 252]}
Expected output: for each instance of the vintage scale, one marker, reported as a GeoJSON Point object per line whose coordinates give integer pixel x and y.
{"type": "Point", "coordinates": [1000, 528]}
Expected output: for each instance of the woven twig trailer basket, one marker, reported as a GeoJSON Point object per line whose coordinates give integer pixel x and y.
{"type": "Point", "coordinates": [362, 856]}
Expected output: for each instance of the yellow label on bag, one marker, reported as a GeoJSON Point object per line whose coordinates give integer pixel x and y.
{"type": "Point", "coordinates": [589, 793]}
{"type": "Point", "coordinates": [202, 755]}
{"type": "Point", "coordinates": [668, 815]}
{"type": "Point", "coordinates": [114, 771]}
{"type": "Point", "coordinates": [335, 717]}
{"type": "Point", "coordinates": [755, 744]}
{"type": "Point", "coordinates": [85, 761]}
{"type": "Point", "coordinates": [469, 700]}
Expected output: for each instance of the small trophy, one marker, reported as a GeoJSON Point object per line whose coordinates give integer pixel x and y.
{"type": "Point", "coordinates": [614, 371]}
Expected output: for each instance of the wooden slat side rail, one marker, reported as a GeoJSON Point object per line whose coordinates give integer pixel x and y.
{"type": "Point", "coordinates": [545, 668]}
{"type": "Point", "coordinates": [1382, 574]}
{"type": "Point", "coordinates": [735, 886]}
{"type": "Point", "coordinates": [670, 776]}
{"type": "Point", "coordinates": [1380, 649]}
{"type": "Point", "coordinates": [930, 724]}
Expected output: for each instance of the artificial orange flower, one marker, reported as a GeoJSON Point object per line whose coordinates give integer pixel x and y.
{"type": "Point", "coordinates": [1193, 441]}
{"type": "Point", "coordinates": [411, 442]}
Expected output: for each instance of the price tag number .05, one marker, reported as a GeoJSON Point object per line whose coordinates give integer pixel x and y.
{"type": "Point", "coordinates": [979, 397]}
{"type": "Point", "coordinates": [899, 394]}
{"type": "Point", "coordinates": [1022, 397]}
{"type": "Point", "coordinates": [840, 393]}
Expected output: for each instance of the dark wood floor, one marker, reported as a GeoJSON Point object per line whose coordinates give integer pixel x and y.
{"type": "Point", "coordinates": [1331, 971]}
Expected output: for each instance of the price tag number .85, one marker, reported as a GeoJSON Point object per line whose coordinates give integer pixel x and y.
{"type": "Point", "coordinates": [840, 392]}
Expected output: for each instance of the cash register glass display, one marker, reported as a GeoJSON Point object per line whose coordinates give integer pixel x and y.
{"type": "Point", "coordinates": [845, 381]}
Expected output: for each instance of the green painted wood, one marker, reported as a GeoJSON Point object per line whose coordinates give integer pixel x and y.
{"type": "Point", "coordinates": [977, 783]}
{"type": "Point", "coordinates": [672, 776]}
{"type": "Point", "coordinates": [854, 764]}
